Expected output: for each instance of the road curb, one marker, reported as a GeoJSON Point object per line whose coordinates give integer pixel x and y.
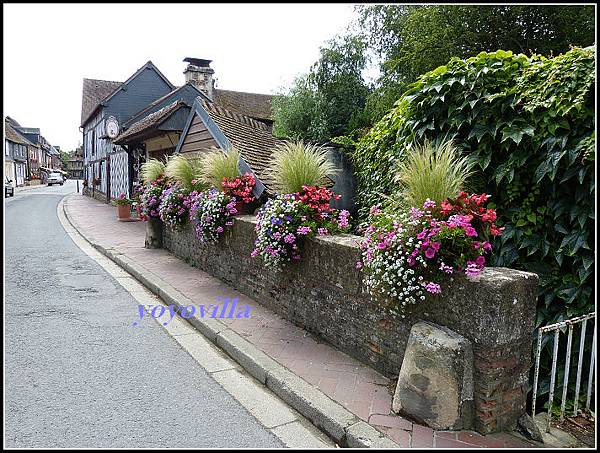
{"type": "Point", "coordinates": [332, 418]}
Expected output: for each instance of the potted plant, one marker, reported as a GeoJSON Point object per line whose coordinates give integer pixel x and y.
{"type": "Point", "coordinates": [123, 205]}
{"type": "Point", "coordinates": [240, 188]}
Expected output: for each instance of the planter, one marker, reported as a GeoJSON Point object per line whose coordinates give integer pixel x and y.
{"type": "Point", "coordinates": [123, 211]}
{"type": "Point", "coordinates": [241, 207]}
{"type": "Point", "coordinates": [154, 233]}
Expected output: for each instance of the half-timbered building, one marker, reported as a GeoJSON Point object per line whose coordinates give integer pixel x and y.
{"type": "Point", "coordinates": [150, 114]}
{"type": "Point", "coordinates": [106, 105]}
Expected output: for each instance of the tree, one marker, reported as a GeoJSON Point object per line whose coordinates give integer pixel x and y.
{"type": "Point", "coordinates": [413, 40]}
{"type": "Point", "coordinates": [64, 158]}
{"type": "Point", "coordinates": [329, 100]}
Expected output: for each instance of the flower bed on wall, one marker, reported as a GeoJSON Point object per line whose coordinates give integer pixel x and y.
{"type": "Point", "coordinates": [325, 294]}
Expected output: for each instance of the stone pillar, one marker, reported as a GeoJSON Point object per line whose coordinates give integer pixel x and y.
{"type": "Point", "coordinates": [154, 233]}
{"type": "Point", "coordinates": [435, 385]}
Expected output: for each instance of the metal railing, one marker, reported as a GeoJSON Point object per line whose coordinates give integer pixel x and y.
{"type": "Point", "coordinates": [556, 328]}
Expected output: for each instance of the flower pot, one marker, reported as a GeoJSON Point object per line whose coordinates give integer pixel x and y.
{"type": "Point", "coordinates": [241, 208]}
{"type": "Point", "coordinates": [123, 211]}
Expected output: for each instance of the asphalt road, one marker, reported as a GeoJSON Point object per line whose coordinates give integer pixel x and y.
{"type": "Point", "coordinates": [77, 374]}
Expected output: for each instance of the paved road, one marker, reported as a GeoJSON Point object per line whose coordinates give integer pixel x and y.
{"type": "Point", "coordinates": [77, 374]}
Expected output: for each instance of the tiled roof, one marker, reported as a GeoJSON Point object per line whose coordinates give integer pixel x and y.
{"type": "Point", "coordinates": [251, 138]}
{"type": "Point", "coordinates": [254, 105]}
{"type": "Point", "coordinates": [95, 91]}
{"type": "Point", "coordinates": [149, 121]}
{"type": "Point", "coordinates": [13, 135]}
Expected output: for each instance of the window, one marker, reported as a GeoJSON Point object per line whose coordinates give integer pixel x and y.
{"type": "Point", "coordinates": [6, 148]}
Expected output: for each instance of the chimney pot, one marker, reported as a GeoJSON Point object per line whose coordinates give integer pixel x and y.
{"type": "Point", "coordinates": [199, 73]}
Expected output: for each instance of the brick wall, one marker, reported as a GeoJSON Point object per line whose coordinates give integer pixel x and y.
{"type": "Point", "coordinates": [325, 295]}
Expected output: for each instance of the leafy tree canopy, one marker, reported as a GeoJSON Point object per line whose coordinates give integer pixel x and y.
{"type": "Point", "coordinates": [333, 98]}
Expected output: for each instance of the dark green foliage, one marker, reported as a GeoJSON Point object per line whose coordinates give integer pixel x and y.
{"type": "Point", "coordinates": [412, 40]}
{"type": "Point", "coordinates": [529, 122]}
{"type": "Point", "coordinates": [329, 100]}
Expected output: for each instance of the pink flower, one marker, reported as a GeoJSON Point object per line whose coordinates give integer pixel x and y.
{"type": "Point", "coordinates": [433, 288]}
{"type": "Point", "coordinates": [416, 213]}
{"type": "Point", "coordinates": [359, 265]}
{"type": "Point", "coordinates": [303, 230]}
{"type": "Point", "coordinates": [429, 204]}
{"type": "Point", "coordinates": [322, 231]}
{"type": "Point", "coordinates": [429, 253]}
{"type": "Point", "coordinates": [480, 261]}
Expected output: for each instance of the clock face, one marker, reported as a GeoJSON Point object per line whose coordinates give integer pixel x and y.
{"type": "Point", "coordinates": [112, 127]}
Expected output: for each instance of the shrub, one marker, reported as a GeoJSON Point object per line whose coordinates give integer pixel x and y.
{"type": "Point", "coordinates": [296, 164]}
{"type": "Point", "coordinates": [186, 171]}
{"type": "Point", "coordinates": [529, 124]}
{"type": "Point", "coordinates": [433, 171]}
{"type": "Point", "coordinates": [218, 165]}
{"type": "Point", "coordinates": [152, 170]}
{"type": "Point", "coordinates": [150, 198]}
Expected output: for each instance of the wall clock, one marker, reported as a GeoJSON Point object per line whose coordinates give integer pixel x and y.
{"type": "Point", "coordinates": [112, 127]}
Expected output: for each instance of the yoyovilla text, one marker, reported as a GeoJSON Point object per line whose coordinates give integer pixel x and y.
{"type": "Point", "coordinates": [226, 308]}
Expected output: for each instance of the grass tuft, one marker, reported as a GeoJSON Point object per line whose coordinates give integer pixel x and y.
{"type": "Point", "coordinates": [296, 164]}
{"type": "Point", "coordinates": [431, 170]}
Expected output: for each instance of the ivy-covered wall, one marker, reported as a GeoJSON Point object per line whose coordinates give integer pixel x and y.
{"type": "Point", "coordinates": [529, 124]}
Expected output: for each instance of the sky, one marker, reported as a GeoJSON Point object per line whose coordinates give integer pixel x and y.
{"type": "Point", "coordinates": [50, 48]}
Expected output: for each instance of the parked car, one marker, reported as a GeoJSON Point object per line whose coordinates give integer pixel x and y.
{"type": "Point", "coordinates": [9, 190]}
{"type": "Point", "coordinates": [55, 178]}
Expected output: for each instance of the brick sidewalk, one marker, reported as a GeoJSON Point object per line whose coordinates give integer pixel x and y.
{"type": "Point", "coordinates": [360, 389]}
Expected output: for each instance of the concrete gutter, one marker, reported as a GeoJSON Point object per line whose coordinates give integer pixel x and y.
{"type": "Point", "coordinates": [341, 425]}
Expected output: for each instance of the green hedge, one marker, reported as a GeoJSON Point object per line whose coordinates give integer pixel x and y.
{"type": "Point", "coordinates": [529, 123]}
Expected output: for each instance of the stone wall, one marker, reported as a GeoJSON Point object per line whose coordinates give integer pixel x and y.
{"type": "Point", "coordinates": [325, 295]}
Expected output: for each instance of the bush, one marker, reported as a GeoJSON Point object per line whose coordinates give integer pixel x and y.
{"type": "Point", "coordinates": [284, 222]}
{"type": "Point", "coordinates": [296, 164]}
{"type": "Point", "coordinates": [529, 125]}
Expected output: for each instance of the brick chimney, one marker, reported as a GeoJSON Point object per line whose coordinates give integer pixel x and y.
{"type": "Point", "coordinates": [199, 72]}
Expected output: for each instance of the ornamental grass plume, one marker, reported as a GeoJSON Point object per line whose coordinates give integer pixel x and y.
{"type": "Point", "coordinates": [218, 165]}
{"type": "Point", "coordinates": [434, 171]}
{"type": "Point", "coordinates": [187, 171]}
{"type": "Point", "coordinates": [152, 170]}
{"type": "Point", "coordinates": [297, 164]}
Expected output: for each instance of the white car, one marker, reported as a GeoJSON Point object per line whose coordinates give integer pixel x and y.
{"type": "Point", "coordinates": [55, 178]}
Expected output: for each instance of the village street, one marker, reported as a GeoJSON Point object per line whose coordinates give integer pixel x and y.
{"type": "Point", "coordinates": [77, 373]}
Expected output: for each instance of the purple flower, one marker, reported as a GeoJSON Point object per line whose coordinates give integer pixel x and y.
{"type": "Point", "coordinates": [445, 268]}
{"type": "Point", "coordinates": [416, 213]}
{"type": "Point", "coordinates": [429, 204]}
{"type": "Point", "coordinates": [289, 238]}
{"type": "Point", "coordinates": [473, 270]}
{"type": "Point", "coordinates": [433, 288]}
{"type": "Point", "coordinates": [359, 265]}
{"type": "Point", "coordinates": [429, 253]}
{"type": "Point", "coordinates": [303, 230]}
